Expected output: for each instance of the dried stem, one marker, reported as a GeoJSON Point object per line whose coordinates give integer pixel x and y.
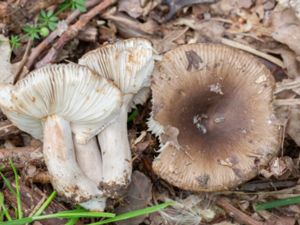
{"type": "Point", "coordinates": [36, 52]}
{"type": "Point", "coordinates": [253, 51]}
{"type": "Point", "coordinates": [7, 128]}
{"type": "Point", "coordinates": [236, 213]}
{"type": "Point", "coordinates": [72, 32]}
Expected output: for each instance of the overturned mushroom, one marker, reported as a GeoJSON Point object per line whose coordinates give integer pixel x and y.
{"type": "Point", "coordinates": [54, 101]}
{"type": "Point", "coordinates": [212, 110]}
{"type": "Point", "coordinates": [129, 65]}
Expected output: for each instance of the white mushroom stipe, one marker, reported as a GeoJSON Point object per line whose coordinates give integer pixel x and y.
{"type": "Point", "coordinates": [89, 159]}
{"type": "Point", "coordinates": [61, 163]}
{"type": "Point", "coordinates": [116, 174]}
{"type": "Point", "coordinates": [128, 64]}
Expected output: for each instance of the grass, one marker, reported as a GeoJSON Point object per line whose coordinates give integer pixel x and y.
{"type": "Point", "coordinates": [277, 203]}
{"type": "Point", "coordinates": [72, 215]}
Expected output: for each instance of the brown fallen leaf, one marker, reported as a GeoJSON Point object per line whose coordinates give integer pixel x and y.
{"type": "Point", "coordinates": [176, 5]}
{"type": "Point", "coordinates": [139, 196]}
{"type": "Point", "coordinates": [272, 219]}
{"type": "Point", "coordinates": [132, 7]}
{"type": "Point", "coordinates": [129, 27]}
{"type": "Point", "coordinates": [167, 43]}
{"type": "Point", "coordinates": [293, 4]}
{"type": "Point", "coordinates": [291, 64]}
{"type": "Point", "coordinates": [206, 31]}
{"type": "Point", "coordinates": [293, 125]}
{"type": "Point", "coordinates": [226, 7]}
{"type": "Point", "coordinates": [286, 28]}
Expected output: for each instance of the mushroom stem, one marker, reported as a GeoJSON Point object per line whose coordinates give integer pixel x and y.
{"type": "Point", "coordinates": [116, 155]}
{"type": "Point", "coordinates": [65, 174]}
{"type": "Point", "coordinates": [89, 159]}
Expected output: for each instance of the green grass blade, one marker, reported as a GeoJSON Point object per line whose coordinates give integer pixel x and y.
{"type": "Point", "coordinates": [1, 206]}
{"type": "Point", "coordinates": [18, 196]}
{"type": "Point", "coordinates": [278, 203]}
{"type": "Point", "coordinates": [19, 221]}
{"type": "Point", "coordinates": [64, 215]}
{"type": "Point", "coordinates": [135, 213]}
{"type": "Point", "coordinates": [72, 221]}
{"type": "Point", "coordinates": [3, 209]}
{"type": "Point", "coordinates": [133, 115]}
{"type": "Point", "coordinates": [5, 212]}
{"type": "Point", "coordinates": [70, 215]}
{"type": "Point", "coordinates": [45, 204]}
{"type": "Point", "coordinates": [7, 184]}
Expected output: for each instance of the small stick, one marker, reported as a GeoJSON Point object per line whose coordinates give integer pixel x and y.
{"type": "Point", "coordinates": [36, 52]}
{"type": "Point", "coordinates": [246, 48]}
{"type": "Point", "coordinates": [286, 102]}
{"type": "Point", "coordinates": [7, 128]}
{"type": "Point", "coordinates": [72, 32]}
{"type": "Point", "coordinates": [18, 73]}
{"type": "Point", "coordinates": [236, 213]}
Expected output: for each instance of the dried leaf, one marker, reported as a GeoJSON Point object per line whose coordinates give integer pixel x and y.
{"type": "Point", "coordinates": [291, 64]}
{"type": "Point", "coordinates": [139, 196]}
{"type": "Point", "coordinates": [8, 70]}
{"type": "Point", "coordinates": [167, 43]}
{"type": "Point", "coordinates": [293, 4]}
{"type": "Point", "coordinates": [132, 7]}
{"type": "Point", "coordinates": [293, 126]}
{"type": "Point", "coordinates": [286, 29]}
{"type": "Point", "coordinates": [129, 27]}
{"type": "Point", "coordinates": [231, 6]}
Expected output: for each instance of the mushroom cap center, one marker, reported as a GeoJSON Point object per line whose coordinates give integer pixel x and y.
{"type": "Point", "coordinates": [211, 117]}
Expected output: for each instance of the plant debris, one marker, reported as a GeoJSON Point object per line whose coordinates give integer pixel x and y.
{"type": "Point", "coordinates": [35, 33]}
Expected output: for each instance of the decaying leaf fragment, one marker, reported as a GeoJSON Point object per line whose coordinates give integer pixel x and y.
{"type": "Point", "coordinates": [286, 29]}
{"type": "Point", "coordinates": [6, 68]}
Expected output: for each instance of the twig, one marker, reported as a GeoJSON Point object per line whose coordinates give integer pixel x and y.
{"type": "Point", "coordinates": [72, 32]}
{"type": "Point", "coordinates": [7, 128]}
{"type": "Point", "coordinates": [253, 51]}
{"type": "Point", "coordinates": [22, 63]}
{"type": "Point", "coordinates": [286, 102]}
{"type": "Point", "coordinates": [36, 52]}
{"type": "Point", "coordinates": [282, 86]}
{"type": "Point", "coordinates": [237, 214]}
{"type": "Point", "coordinates": [21, 156]}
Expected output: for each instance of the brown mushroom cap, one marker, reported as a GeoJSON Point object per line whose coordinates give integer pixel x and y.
{"type": "Point", "coordinates": [213, 106]}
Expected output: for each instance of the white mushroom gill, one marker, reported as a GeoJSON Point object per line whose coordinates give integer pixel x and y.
{"type": "Point", "coordinates": [53, 102]}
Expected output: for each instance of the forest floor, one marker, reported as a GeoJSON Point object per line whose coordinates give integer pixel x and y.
{"type": "Point", "coordinates": [268, 29]}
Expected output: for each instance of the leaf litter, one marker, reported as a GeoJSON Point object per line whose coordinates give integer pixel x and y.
{"type": "Point", "coordinates": [268, 29]}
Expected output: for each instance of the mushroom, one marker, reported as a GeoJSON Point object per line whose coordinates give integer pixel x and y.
{"type": "Point", "coordinates": [212, 111]}
{"type": "Point", "coordinates": [128, 64]}
{"type": "Point", "coordinates": [50, 104]}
